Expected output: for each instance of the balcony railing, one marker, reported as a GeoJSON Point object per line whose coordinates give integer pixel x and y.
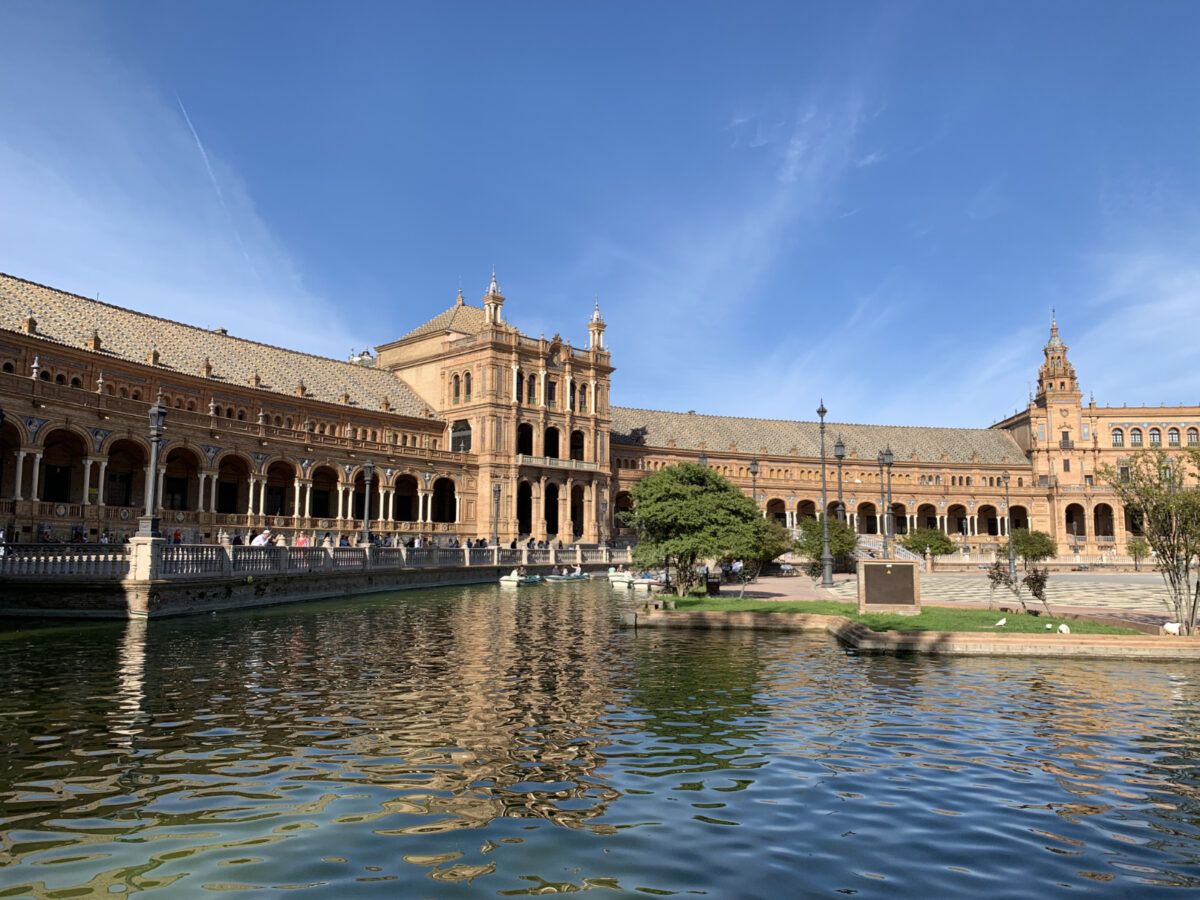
{"type": "Point", "coordinates": [554, 463]}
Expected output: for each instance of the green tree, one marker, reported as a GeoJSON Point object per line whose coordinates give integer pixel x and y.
{"type": "Point", "coordinates": [842, 539]}
{"type": "Point", "coordinates": [685, 513]}
{"type": "Point", "coordinates": [1160, 489]}
{"type": "Point", "coordinates": [937, 542]}
{"type": "Point", "coordinates": [1138, 549]}
{"type": "Point", "coordinates": [1032, 546]}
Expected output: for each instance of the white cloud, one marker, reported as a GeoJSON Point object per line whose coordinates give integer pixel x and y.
{"type": "Point", "coordinates": [106, 190]}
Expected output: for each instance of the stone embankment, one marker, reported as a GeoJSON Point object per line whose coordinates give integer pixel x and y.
{"type": "Point", "coordinates": [859, 637]}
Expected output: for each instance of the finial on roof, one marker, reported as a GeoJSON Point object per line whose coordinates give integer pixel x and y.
{"type": "Point", "coordinates": [459, 301]}
{"type": "Point", "coordinates": [596, 311]}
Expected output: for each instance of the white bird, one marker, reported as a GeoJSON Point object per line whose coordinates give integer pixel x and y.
{"type": "Point", "coordinates": [1049, 625]}
{"type": "Point", "coordinates": [1064, 628]}
{"type": "Point", "coordinates": [1171, 628]}
{"type": "Point", "coordinates": [1001, 623]}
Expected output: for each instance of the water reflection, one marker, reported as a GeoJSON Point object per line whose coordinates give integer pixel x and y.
{"type": "Point", "coordinates": [467, 740]}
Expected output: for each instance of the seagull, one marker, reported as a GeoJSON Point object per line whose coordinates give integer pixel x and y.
{"type": "Point", "coordinates": [1171, 628]}
{"type": "Point", "coordinates": [1001, 623]}
{"type": "Point", "coordinates": [1049, 626]}
{"type": "Point", "coordinates": [1064, 628]}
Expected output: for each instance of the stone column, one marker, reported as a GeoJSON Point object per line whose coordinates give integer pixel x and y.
{"type": "Point", "coordinates": [379, 507]}
{"type": "Point", "coordinates": [539, 520]}
{"type": "Point", "coordinates": [162, 476]}
{"type": "Point", "coordinates": [591, 398]}
{"type": "Point", "coordinates": [87, 480]}
{"type": "Point", "coordinates": [457, 503]}
{"type": "Point", "coordinates": [101, 475]}
{"type": "Point", "coordinates": [516, 379]}
{"type": "Point", "coordinates": [212, 493]}
{"type": "Point", "coordinates": [36, 493]}
{"type": "Point", "coordinates": [341, 499]}
{"type": "Point", "coordinates": [20, 475]}
{"type": "Point", "coordinates": [565, 523]}
{"type": "Point", "coordinates": [200, 492]}
{"type": "Point", "coordinates": [542, 389]}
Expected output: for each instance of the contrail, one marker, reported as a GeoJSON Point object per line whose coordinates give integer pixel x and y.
{"type": "Point", "coordinates": [216, 187]}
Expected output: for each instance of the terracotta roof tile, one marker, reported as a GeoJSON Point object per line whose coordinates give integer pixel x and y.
{"type": "Point", "coordinates": [781, 437]}
{"type": "Point", "coordinates": [69, 319]}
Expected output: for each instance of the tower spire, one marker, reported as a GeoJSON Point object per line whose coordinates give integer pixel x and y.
{"type": "Point", "coordinates": [492, 301]}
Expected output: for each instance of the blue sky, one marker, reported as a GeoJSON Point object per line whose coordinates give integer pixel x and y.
{"type": "Point", "coordinates": [876, 204]}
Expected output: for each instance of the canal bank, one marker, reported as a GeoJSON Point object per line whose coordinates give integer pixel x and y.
{"type": "Point", "coordinates": [152, 578]}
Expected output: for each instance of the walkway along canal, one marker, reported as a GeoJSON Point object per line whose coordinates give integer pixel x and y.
{"type": "Point", "coordinates": [152, 577]}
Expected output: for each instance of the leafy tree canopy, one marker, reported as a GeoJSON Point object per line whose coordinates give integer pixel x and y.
{"type": "Point", "coordinates": [1138, 549]}
{"type": "Point", "coordinates": [842, 539]}
{"type": "Point", "coordinates": [1159, 488]}
{"type": "Point", "coordinates": [1032, 546]}
{"type": "Point", "coordinates": [937, 541]}
{"type": "Point", "coordinates": [685, 513]}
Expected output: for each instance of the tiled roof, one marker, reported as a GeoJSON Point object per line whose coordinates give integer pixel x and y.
{"type": "Point", "coordinates": [785, 438]}
{"type": "Point", "coordinates": [69, 319]}
{"type": "Point", "coordinates": [460, 317]}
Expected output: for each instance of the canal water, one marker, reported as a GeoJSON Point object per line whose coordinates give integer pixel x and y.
{"type": "Point", "coordinates": [477, 742]}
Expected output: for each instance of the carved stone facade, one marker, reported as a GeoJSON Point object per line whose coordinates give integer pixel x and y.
{"type": "Point", "coordinates": [471, 429]}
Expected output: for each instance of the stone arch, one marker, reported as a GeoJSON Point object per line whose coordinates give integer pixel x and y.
{"type": "Point", "coordinates": [1075, 523]}
{"type": "Point", "coordinates": [524, 508]}
{"type": "Point", "coordinates": [622, 503]}
{"type": "Point", "coordinates": [1103, 522]}
{"type": "Point", "coordinates": [550, 443]}
{"type": "Point", "coordinates": [956, 519]}
{"type": "Point", "coordinates": [927, 516]}
{"type": "Point", "coordinates": [576, 506]}
{"type": "Point", "coordinates": [233, 482]}
{"type": "Point", "coordinates": [988, 521]}
{"type": "Point", "coordinates": [525, 439]}
{"type": "Point", "coordinates": [279, 493]}
{"type": "Point", "coordinates": [125, 473]}
{"type": "Point", "coordinates": [181, 478]}
{"type": "Point", "coordinates": [868, 518]}
{"type": "Point", "coordinates": [777, 510]}
{"type": "Point", "coordinates": [550, 508]}
{"type": "Point", "coordinates": [806, 509]}
{"type": "Point", "coordinates": [1018, 517]}
{"type": "Point", "coordinates": [12, 438]}
{"type": "Point", "coordinates": [577, 445]}
{"type": "Point", "coordinates": [61, 475]}
{"type": "Point", "coordinates": [363, 494]}
{"type": "Point", "coordinates": [899, 518]}
{"type": "Point", "coordinates": [444, 507]}
{"type": "Point", "coordinates": [323, 489]}
{"type": "Point", "coordinates": [405, 497]}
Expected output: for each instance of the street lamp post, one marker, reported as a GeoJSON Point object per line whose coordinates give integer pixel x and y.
{"type": "Point", "coordinates": [368, 475]}
{"type": "Point", "coordinates": [148, 525]}
{"type": "Point", "coordinates": [879, 519]}
{"type": "Point", "coordinates": [754, 482]}
{"type": "Point", "coordinates": [839, 453]}
{"type": "Point", "coordinates": [889, 521]}
{"type": "Point", "coordinates": [826, 556]}
{"type": "Point", "coordinates": [1012, 556]}
{"type": "Point", "coordinates": [496, 514]}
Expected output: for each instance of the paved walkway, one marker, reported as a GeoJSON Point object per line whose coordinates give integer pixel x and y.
{"type": "Point", "coordinates": [1141, 597]}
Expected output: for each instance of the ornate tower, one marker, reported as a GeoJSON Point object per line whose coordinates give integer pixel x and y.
{"type": "Point", "coordinates": [492, 301]}
{"type": "Point", "coordinates": [1056, 378]}
{"type": "Point", "coordinates": [596, 328]}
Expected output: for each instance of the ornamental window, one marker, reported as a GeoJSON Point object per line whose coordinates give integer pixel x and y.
{"type": "Point", "coordinates": [1173, 437]}
{"type": "Point", "coordinates": [1155, 437]}
{"type": "Point", "coordinates": [1193, 437]}
{"type": "Point", "coordinates": [1118, 437]}
{"type": "Point", "coordinates": [1135, 437]}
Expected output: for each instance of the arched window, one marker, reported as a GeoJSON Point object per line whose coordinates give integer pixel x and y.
{"type": "Point", "coordinates": [75, 382]}
{"type": "Point", "coordinates": [45, 375]}
{"type": "Point", "coordinates": [454, 390]}
{"type": "Point", "coordinates": [1173, 437]}
{"type": "Point", "coordinates": [229, 412]}
{"type": "Point", "coordinates": [136, 395]}
{"type": "Point", "coordinates": [467, 387]}
{"type": "Point", "coordinates": [61, 379]}
{"type": "Point", "coordinates": [1135, 437]}
{"type": "Point", "coordinates": [1193, 437]}
{"type": "Point", "coordinates": [531, 389]}
{"type": "Point", "coordinates": [1118, 437]}
{"type": "Point", "coordinates": [1155, 437]}
{"type": "Point", "coordinates": [8, 367]}
{"type": "Point", "coordinates": [520, 386]}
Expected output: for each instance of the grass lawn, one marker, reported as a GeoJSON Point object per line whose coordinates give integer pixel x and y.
{"type": "Point", "coordinates": [932, 618]}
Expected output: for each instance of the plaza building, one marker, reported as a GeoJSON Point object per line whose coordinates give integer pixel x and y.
{"type": "Point", "coordinates": [466, 428]}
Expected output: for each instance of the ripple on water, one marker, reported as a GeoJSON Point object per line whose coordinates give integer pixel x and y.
{"type": "Point", "coordinates": [457, 741]}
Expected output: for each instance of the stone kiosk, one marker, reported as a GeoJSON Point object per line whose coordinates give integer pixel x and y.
{"type": "Point", "coordinates": [889, 586]}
